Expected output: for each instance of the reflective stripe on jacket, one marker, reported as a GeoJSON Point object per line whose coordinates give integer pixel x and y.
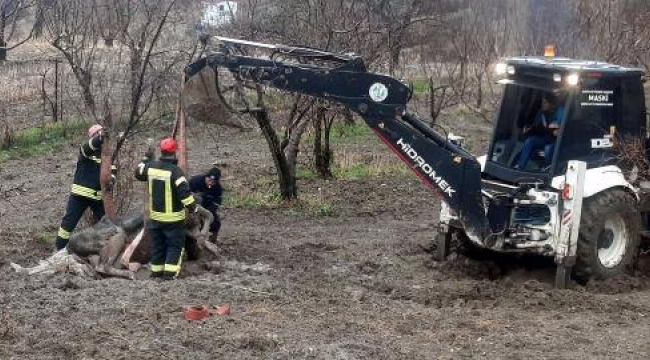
{"type": "Point", "coordinates": [169, 192]}
{"type": "Point", "coordinates": [86, 177]}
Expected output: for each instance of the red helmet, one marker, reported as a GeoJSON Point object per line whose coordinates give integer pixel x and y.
{"type": "Point", "coordinates": [168, 145]}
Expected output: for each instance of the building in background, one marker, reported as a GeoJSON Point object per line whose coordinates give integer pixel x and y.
{"type": "Point", "coordinates": [218, 14]}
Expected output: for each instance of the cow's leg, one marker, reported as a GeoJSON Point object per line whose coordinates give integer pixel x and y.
{"type": "Point", "coordinates": [109, 255]}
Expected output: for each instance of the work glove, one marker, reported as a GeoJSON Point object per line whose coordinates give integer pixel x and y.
{"type": "Point", "coordinates": [61, 243]}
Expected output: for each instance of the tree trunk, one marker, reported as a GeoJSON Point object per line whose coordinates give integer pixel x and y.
{"type": "Point", "coordinates": [394, 50]}
{"type": "Point", "coordinates": [3, 50]}
{"type": "Point", "coordinates": [135, 64]}
{"type": "Point", "coordinates": [348, 118]}
{"type": "Point", "coordinates": [432, 103]}
{"type": "Point", "coordinates": [293, 148]}
{"type": "Point", "coordinates": [3, 44]}
{"type": "Point", "coordinates": [318, 153]}
{"type": "Point", "coordinates": [85, 81]}
{"type": "Point", "coordinates": [288, 189]}
{"type": "Point", "coordinates": [135, 68]}
{"type": "Point", "coordinates": [327, 148]}
{"type": "Point", "coordinates": [479, 91]}
{"type": "Point", "coordinates": [105, 180]}
{"type": "Point", "coordinates": [322, 153]}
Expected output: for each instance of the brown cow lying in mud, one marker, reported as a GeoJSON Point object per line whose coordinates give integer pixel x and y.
{"type": "Point", "coordinates": [105, 248]}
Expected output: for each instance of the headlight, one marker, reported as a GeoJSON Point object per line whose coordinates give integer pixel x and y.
{"type": "Point", "coordinates": [572, 79]}
{"type": "Point", "coordinates": [500, 69]}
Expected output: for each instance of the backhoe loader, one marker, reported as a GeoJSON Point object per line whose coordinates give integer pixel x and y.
{"type": "Point", "coordinates": [572, 200]}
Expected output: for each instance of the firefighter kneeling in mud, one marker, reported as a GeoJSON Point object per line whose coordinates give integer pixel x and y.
{"type": "Point", "coordinates": [169, 194]}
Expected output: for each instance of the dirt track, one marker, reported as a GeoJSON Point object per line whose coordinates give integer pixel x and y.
{"type": "Point", "coordinates": [356, 285]}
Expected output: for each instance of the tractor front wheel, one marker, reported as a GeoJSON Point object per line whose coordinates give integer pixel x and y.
{"type": "Point", "coordinates": [609, 235]}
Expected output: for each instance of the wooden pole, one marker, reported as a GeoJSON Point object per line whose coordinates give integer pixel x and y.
{"type": "Point", "coordinates": [105, 179]}
{"type": "Point", "coordinates": [179, 129]}
{"type": "Point", "coordinates": [182, 145]}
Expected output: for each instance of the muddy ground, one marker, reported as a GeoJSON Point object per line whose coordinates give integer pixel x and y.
{"type": "Point", "coordinates": [352, 282]}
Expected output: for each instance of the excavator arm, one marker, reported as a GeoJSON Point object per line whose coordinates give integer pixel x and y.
{"type": "Point", "coordinates": [453, 173]}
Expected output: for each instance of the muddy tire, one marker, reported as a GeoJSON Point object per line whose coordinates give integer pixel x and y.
{"type": "Point", "coordinates": [609, 236]}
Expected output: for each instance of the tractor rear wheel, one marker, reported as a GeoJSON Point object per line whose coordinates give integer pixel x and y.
{"type": "Point", "coordinates": [609, 235]}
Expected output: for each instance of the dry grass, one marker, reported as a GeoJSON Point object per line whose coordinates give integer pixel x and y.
{"type": "Point", "coordinates": [28, 87]}
{"type": "Point", "coordinates": [349, 164]}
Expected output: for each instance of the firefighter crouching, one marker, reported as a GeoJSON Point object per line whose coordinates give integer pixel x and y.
{"type": "Point", "coordinates": [86, 190]}
{"type": "Point", "coordinates": [169, 195]}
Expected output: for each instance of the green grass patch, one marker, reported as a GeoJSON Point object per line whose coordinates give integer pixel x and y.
{"type": "Point", "coordinates": [252, 200]}
{"type": "Point", "coordinates": [348, 170]}
{"type": "Point", "coordinates": [357, 130]}
{"type": "Point", "coordinates": [353, 172]}
{"type": "Point", "coordinates": [306, 173]}
{"type": "Point", "coordinates": [325, 210]}
{"type": "Point", "coordinates": [420, 86]}
{"type": "Point", "coordinates": [340, 133]}
{"type": "Point", "coordinates": [311, 205]}
{"type": "Point", "coordinates": [308, 204]}
{"type": "Point", "coordinates": [38, 140]}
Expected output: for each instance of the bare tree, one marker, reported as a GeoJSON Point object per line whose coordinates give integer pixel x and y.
{"type": "Point", "coordinates": [70, 28]}
{"type": "Point", "coordinates": [13, 13]}
{"type": "Point", "coordinates": [142, 29]}
{"type": "Point", "coordinates": [460, 70]}
{"type": "Point", "coordinates": [74, 28]}
{"type": "Point", "coordinates": [112, 19]}
{"type": "Point", "coordinates": [284, 164]}
{"type": "Point", "coordinates": [613, 31]}
{"type": "Point", "coordinates": [326, 114]}
{"type": "Point", "coordinates": [339, 26]}
{"type": "Point", "coordinates": [397, 19]}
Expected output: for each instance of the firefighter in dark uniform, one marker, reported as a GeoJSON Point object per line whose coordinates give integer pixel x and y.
{"type": "Point", "coordinates": [86, 190]}
{"type": "Point", "coordinates": [169, 195]}
{"type": "Point", "coordinates": [209, 187]}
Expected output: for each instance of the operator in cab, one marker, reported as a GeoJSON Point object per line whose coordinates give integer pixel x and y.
{"type": "Point", "coordinates": [542, 132]}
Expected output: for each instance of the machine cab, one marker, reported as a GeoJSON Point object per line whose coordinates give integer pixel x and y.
{"type": "Point", "coordinates": [554, 110]}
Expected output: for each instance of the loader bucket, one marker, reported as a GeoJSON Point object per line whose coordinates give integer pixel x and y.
{"type": "Point", "coordinates": [203, 102]}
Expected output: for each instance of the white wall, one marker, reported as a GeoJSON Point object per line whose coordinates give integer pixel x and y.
{"type": "Point", "coordinates": [219, 13]}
